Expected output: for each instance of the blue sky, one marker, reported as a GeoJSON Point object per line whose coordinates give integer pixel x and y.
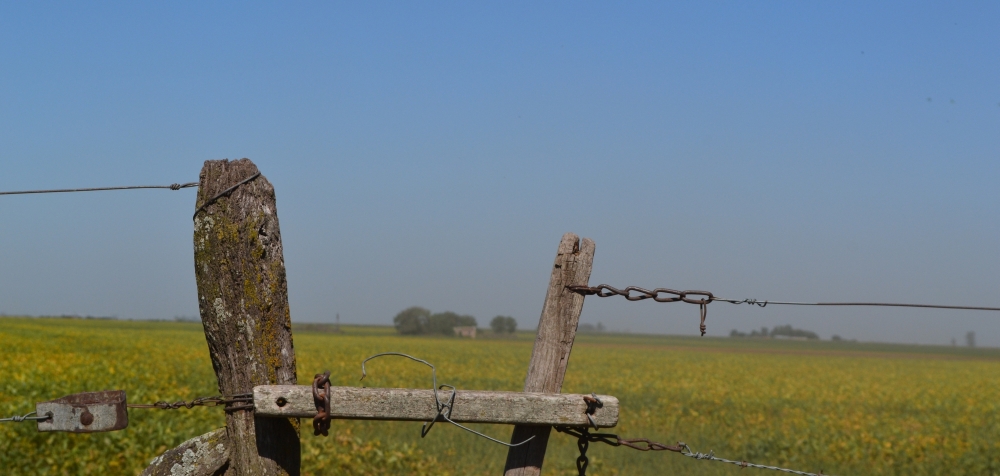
{"type": "Point", "coordinates": [432, 154]}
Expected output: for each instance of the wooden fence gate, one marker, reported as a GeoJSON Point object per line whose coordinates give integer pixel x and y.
{"type": "Point", "coordinates": [243, 300]}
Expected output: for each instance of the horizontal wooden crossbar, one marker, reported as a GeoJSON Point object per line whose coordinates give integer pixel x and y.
{"type": "Point", "coordinates": [401, 404]}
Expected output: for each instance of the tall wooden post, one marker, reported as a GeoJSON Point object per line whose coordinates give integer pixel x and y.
{"type": "Point", "coordinates": [553, 343]}
{"type": "Point", "coordinates": [243, 299]}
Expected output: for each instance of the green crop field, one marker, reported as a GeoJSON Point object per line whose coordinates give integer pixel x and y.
{"type": "Point", "coordinates": [838, 407]}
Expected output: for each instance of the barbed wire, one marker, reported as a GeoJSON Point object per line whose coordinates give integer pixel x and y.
{"type": "Point", "coordinates": [443, 409]}
{"type": "Point", "coordinates": [760, 303]}
{"type": "Point", "coordinates": [243, 401]}
{"type": "Point", "coordinates": [687, 451]}
{"type": "Point", "coordinates": [175, 186]}
{"type": "Point", "coordinates": [635, 293]}
{"type": "Point", "coordinates": [585, 437]}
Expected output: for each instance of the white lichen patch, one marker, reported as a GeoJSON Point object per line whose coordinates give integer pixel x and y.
{"type": "Point", "coordinates": [220, 311]}
{"type": "Point", "coordinates": [207, 223]}
{"type": "Point", "coordinates": [248, 327]}
{"type": "Point", "coordinates": [190, 461]}
{"type": "Point", "coordinates": [201, 455]}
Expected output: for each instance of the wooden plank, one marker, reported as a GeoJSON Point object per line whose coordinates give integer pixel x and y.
{"type": "Point", "coordinates": [401, 404]}
{"type": "Point", "coordinates": [553, 343]}
{"type": "Point", "coordinates": [202, 455]}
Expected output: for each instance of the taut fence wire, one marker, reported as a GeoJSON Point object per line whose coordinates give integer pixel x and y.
{"type": "Point", "coordinates": [174, 186]}
{"type": "Point", "coordinates": [703, 298]}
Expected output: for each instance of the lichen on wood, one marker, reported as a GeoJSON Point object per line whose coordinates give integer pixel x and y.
{"type": "Point", "coordinates": [204, 455]}
{"type": "Point", "coordinates": [243, 300]}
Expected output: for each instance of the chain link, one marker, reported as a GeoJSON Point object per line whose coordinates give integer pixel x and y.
{"type": "Point", "coordinates": [322, 398]}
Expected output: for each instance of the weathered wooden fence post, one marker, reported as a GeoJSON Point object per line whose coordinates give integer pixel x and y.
{"type": "Point", "coordinates": [243, 299]}
{"type": "Point", "coordinates": [553, 343]}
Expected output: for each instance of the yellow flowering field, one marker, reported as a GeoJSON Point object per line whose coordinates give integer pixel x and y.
{"type": "Point", "coordinates": [838, 407]}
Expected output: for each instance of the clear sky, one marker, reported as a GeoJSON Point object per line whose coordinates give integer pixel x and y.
{"type": "Point", "coordinates": [433, 154]}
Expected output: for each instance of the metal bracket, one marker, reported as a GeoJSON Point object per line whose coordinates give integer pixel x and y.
{"type": "Point", "coordinates": [84, 412]}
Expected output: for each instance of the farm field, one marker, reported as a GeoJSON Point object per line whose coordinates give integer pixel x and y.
{"type": "Point", "coordinates": [844, 408]}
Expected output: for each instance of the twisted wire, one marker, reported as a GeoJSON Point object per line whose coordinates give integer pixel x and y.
{"type": "Point", "coordinates": [174, 186]}
{"type": "Point", "coordinates": [28, 417]}
{"type": "Point", "coordinates": [764, 303]}
{"type": "Point", "coordinates": [703, 298]}
{"type": "Point", "coordinates": [687, 451]}
{"type": "Point", "coordinates": [443, 409]}
{"type": "Point", "coordinates": [222, 193]}
{"type": "Point", "coordinates": [243, 401]}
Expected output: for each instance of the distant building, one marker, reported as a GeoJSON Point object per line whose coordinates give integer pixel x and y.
{"type": "Point", "coordinates": [465, 331]}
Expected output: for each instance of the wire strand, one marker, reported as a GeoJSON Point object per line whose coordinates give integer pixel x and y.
{"type": "Point", "coordinates": [710, 456]}
{"type": "Point", "coordinates": [176, 186]}
{"type": "Point", "coordinates": [221, 194]}
{"type": "Point", "coordinates": [882, 304]}
{"type": "Point", "coordinates": [28, 417]}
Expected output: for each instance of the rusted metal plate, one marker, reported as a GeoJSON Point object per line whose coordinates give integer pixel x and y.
{"type": "Point", "coordinates": [85, 412]}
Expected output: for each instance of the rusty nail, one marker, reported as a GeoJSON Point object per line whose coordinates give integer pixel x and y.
{"type": "Point", "coordinates": [86, 418]}
{"type": "Point", "coordinates": [281, 401]}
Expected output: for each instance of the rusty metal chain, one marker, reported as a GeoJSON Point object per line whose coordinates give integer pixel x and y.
{"type": "Point", "coordinates": [615, 440]}
{"type": "Point", "coordinates": [322, 398]}
{"type": "Point", "coordinates": [582, 444]}
{"type": "Point", "coordinates": [243, 401]}
{"type": "Point", "coordinates": [585, 437]}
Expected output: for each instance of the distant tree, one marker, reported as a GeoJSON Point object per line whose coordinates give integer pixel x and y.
{"type": "Point", "coordinates": [503, 325]}
{"type": "Point", "coordinates": [835, 337]}
{"type": "Point", "coordinates": [412, 321]}
{"type": "Point", "coordinates": [736, 333]}
{"type": "Point", "coordinates": [444, 323]}
{"type": "Point", "coordinates": [970, 339]}
{"type": "Point", "coordinates": [587, 328]}
{"type": "Point", "coordinates": [789, 331]}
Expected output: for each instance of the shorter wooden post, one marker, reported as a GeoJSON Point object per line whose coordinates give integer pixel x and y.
{"type": "Point", "coordinates": [553, 343]}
